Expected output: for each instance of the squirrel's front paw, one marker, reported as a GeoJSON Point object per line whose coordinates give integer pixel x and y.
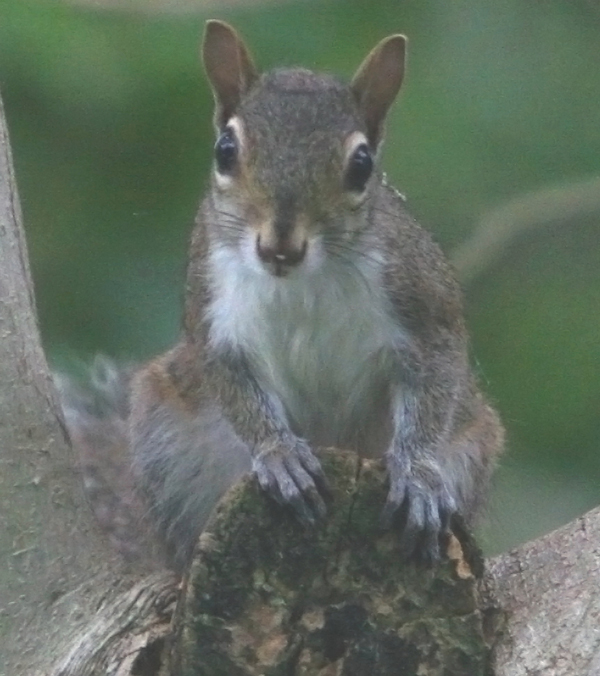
{"type": "Point", "coordinates": [293, 476]}
{"type": "Point", "coordinates": [421, 506]}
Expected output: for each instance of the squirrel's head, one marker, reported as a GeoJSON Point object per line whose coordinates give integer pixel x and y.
{"type": "Point", "coordinates": [295, 151]}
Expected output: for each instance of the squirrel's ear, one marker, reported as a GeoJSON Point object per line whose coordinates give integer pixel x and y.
{"type": "Point", "coordinates": [228, 66]}
{"type": "Point", "coordinates": [377, 82]}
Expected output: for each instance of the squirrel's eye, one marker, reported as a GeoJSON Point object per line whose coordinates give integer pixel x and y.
{"type": "Point", "coordinates": [226, 152]}
{"type": "Point", "coordinates": [360, 167]}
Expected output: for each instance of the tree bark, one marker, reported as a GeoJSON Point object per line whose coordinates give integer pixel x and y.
{"type": "Point", "coordinates": [268, 596]}
{"type": "Point", "coordinates": [543, 602]}
{"type": "Point", "coordinates": [56, 572]}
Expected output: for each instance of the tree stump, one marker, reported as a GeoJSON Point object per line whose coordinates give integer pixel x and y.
{"type": "Point", "coordinates": [266, 596]}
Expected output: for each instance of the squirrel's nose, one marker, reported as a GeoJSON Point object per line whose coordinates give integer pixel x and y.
{"type": "Point", "coordinates": [282, 256]}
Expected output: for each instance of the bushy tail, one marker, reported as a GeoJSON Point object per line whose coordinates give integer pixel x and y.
{"type": "Point", "coordinates": [96, 413]}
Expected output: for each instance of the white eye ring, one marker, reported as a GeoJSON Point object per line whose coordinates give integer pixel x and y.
{"type": "Point", "coordinates": [236, 125]}
{"type": "Point", "coordinates": [354, 140]}
{"type": "Point", "coordinates": [226, 181]}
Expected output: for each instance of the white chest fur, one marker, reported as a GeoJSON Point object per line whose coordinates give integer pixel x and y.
{"type": "Point", "coordinates": [320, 341]}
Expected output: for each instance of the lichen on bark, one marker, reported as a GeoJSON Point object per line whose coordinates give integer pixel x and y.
{"type": "Point", "coordinates": [267, 596]}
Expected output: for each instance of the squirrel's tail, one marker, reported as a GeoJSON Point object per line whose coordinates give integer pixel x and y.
{"type": "Point", "coordinates": [96, 415]}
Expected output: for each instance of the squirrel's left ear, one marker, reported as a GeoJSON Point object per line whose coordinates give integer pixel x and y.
{"type": "Point", "coordinates": [377, 82]}
{"type": "Point", "coordinates": [228, 66]}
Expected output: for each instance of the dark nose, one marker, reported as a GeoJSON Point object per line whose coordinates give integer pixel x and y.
{"type": "Point", "coordinates": [280, 256]}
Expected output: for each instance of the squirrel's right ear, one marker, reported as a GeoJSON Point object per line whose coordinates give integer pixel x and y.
{"type": "Point", "coordinates": [228, 66]}
{"type": "Point", "coordinates": [377, 82]}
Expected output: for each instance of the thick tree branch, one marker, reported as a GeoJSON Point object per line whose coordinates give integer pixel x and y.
{"type": "Point", "coordinates": [268, 596]}
{"type": "Point", "coordinates": [56, 571]}
{"type": "Point", "coordinates": [546, 596]}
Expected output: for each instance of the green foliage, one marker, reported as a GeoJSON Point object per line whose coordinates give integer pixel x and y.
{"type": "Point", "coordinates": [110, 124]}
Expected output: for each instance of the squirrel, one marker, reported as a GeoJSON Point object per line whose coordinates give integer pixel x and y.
{"type": "Point", "coordinates": [317, 313]}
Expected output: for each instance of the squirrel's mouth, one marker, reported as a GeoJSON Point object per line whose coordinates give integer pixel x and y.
{"type": "Point", "coordinates": [280, 269]}
{"type": "Point", "coordinates": [281, 257]}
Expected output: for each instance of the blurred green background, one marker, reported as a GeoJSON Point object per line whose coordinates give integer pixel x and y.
{"type": "Point", "coordinates": [110, 121]}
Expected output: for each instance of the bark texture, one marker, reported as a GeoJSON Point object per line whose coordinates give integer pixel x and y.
{"type": "Point", "coordinates": [56, 573]}
{"type": "Point", "coordinates": [544, 603]}
{"type": "Point", "coordinates": [267, 596]}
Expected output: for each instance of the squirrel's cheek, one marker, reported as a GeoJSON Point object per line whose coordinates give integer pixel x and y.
{"type": "Point", "coordinates": [316, 255]}
{"type": "Point", "coordinates": [248, 252]}
{"type": "Point", "coordinates": [223, 182]}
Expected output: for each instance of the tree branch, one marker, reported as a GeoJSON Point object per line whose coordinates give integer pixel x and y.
{"type": "Point", "coordinates": [268, 596]}
{"type": "Point", "coordinates": [546, 597]}
{"type": "Point", "coordinates": [55, 568]}
{"type": "Point", "coordinates": [568, 203]}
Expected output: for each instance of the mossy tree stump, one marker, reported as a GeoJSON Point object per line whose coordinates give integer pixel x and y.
{"type": "Point", "coordinates": [266, 596]}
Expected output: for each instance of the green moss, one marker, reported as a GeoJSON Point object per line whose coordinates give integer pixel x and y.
{"type": "Point", "coordinates": [268, 596]}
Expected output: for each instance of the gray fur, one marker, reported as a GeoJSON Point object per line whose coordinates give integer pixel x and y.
{"type": "Point", "coordinates": [185, 465]}
{"type": "Point", "coordinates": [96, 414]}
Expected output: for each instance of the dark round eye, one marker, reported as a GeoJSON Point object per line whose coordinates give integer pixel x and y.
{"type": "Point", "coordinates": [226, 152]}
{"type": "Point", "coordinates": [360, 168]}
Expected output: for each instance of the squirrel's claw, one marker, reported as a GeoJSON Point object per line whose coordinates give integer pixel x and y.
{"type": "Point", "coordinates": [295, 479]}
{"type": "Point", "coordinates": [422, 516]}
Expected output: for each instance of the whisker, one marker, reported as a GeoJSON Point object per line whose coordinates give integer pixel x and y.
{"type": "Point", "coordinates": [333, 241]}
{"type": "Point", "coordinates": [231, 216]}
{"type": "Point", "coordinates": [232, 226]}
{"type": "Point", "coordinates": [341, 251]}
{"type": "Point", "coordinates": [349, 263]}
{"type": "Point", "coordinates": [346, 256]}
